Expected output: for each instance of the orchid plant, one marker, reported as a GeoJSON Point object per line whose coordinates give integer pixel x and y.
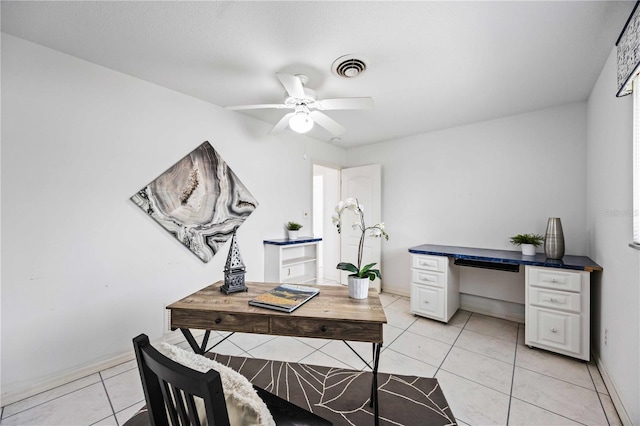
{"type": "Point", "coordinates": [377, 230]}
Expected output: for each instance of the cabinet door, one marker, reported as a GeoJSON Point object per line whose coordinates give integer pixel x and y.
{"type": "Point", "coordinates": [427, 301]}
{"type": "Point", "coordinates": [554, 329]}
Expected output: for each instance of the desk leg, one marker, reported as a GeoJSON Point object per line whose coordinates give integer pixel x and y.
{"type": "Point", "coordinates": [192, 341]}
{"type": "Point", "coordinates": [374, 384]}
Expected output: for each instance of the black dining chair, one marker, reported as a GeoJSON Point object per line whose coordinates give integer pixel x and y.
{"type": "Point", "coordinates": [170, 389]}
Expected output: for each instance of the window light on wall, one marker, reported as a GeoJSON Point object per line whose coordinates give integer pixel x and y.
{"type": "Point", "coordinates": [628, 56]}
{"type": "Point", "coordinates": [636, 163]}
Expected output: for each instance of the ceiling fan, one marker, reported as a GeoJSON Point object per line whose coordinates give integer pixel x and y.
{"type": "Point", "coordinates": [307, 109]}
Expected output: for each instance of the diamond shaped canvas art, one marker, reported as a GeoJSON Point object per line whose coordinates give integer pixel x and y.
{"type": "Point", "coordinates": [199, 200]}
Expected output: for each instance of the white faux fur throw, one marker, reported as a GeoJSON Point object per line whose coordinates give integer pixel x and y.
{"type": "Point", "coordinates": [243, 403]}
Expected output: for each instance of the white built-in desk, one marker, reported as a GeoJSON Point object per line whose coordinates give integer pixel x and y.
{"type": "Point", "coordinates": [557, 292]}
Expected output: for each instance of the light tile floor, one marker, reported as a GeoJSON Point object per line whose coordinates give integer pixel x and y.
{"type": "Point", "coordinates": [486, 372]}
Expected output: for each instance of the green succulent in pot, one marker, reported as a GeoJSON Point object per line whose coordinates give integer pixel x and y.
{"type": "Point", "coordinates": [293, 226]}
{"type": "Point", "coordinates": [534, 239]}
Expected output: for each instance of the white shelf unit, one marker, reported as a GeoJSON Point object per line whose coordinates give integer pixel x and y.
{"type": "Point", "coordinates": [292, 261]}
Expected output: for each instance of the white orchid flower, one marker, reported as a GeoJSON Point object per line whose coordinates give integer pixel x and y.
{"type": "Point", "coordinates": [374, 231]}
{"type": "Point", "coordinates": [335, 218]}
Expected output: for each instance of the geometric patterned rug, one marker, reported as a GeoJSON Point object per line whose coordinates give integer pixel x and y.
{"type": "Point", "coordinates": [342, 396]}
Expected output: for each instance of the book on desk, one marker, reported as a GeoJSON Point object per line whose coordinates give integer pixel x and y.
{"type": "Point", "coordinates": [285, 297]}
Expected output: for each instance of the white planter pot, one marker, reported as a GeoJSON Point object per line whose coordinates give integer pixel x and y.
{"type": "Point", "coordinates": [358, 287]}
{"type": "Point", "coordinates": [528, 249]}
{"type": "Point", "coordinates": [293, 234]}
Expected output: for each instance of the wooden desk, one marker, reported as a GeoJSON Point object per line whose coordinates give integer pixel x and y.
{"type": "Point", "coordinates": [329, 315]}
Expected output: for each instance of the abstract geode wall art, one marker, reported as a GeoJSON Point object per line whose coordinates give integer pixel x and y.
{"type": "Point", "coordinates": [199, 200]}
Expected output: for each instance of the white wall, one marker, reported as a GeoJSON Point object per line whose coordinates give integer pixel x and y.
{"type": "Point", "coordinates": [480, 184]}
{"type": "Point", "coordinates": [84, 270]}
{"type": "Point", "coordinates": [609, 226]}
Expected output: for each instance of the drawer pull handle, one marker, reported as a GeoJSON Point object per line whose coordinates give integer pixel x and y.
{"type": "Point", "coordinates": [553, 280]}
{"type": "Point", "coordinates": [218, 320]}
{"type": "Point", "coordinates": [426, 302]}
{"type": "Point", "coordinates": [323, 328]}
{"type": "Point", "coordinates": [554, 330]}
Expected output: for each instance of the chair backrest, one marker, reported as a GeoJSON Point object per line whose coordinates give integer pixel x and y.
{"type": "Point", "coordinates": [170, 388]}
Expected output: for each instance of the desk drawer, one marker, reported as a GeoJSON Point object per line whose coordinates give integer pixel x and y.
{"type": "Point", "coordinates": [554, 329]}
{"type": "Point", "coordinates": [428, 301]}
{"type": "Point", "coordinates": [555, 299]}
{"type": "Point", "coordinates": [430, 263]}
{"type": "Point", "coordinates": [206, 320]}
{"type": "Point", "coordinates": [326, 329]}
{"type": "Point", "coordinates": [430, 278]}
{"type": "Point", "coordinates": [555, 279]}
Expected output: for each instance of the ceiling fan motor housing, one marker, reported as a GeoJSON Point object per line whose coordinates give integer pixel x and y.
{"type": "Point", "coordinates": [310, 97]}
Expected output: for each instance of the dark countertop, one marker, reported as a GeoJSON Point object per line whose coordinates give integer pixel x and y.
{"type": "Point", "coordinates": [580, 263]}
{"type": "Point", "coordinates": [286, 241]}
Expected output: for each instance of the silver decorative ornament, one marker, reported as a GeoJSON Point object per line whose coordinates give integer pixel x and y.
{"type": "Point", "coordinates": [234, 270]}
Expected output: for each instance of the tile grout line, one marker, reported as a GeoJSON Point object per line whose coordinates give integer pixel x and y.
{"type": "Point", "coordinates": [113, 411]}
{"type": "Point", "coordinates": [549, 411]}
{"type": "Point", "coordinates": [451, 346]}
{"type": "Point", "coordinates": [49, 400]}
{"type": "Point", "coordinates": [599, 398]}
{"type": "Point", "coordinates": [513, 375]}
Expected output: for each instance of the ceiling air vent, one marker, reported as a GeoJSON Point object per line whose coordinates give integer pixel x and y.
{"type": "Point", "coordinates": [349, 66]}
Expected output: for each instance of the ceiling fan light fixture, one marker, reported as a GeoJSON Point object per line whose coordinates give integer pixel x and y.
{"type": "Point", "coordinates": [301, 122]}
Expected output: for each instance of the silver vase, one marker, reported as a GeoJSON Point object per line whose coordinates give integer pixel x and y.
{"type": "Point", "coordinates": [554, 239]}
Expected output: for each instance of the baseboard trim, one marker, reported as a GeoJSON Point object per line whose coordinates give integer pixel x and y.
{"type": "Point", "coordinates": [492, 307]}
{"type": "Point", "coordinates": [613, 392]}
{"type": "Point", "coordinates": [26, 390]}
{"type": "Point", "coordinates": [395, 290]}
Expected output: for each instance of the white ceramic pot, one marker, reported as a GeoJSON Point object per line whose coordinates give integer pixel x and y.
{"type": "Point", "coordinates": [358, 287]}
{"type": "Point", "coordinates": [293, 234]}
{"type": "Point", "coordinates": [528, 249]}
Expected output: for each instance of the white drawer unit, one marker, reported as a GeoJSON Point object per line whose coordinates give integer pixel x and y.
{"type": "Point", "coordinates": [557, 310]}
{"type": "Point", "coordinates": [434, 287]}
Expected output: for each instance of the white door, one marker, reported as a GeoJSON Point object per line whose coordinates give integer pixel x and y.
{"type": "Point", "coordinates": [363, 183]}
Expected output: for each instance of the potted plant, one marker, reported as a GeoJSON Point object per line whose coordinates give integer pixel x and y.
{"type": "Point", "coordinates": [292, 229]}
{"type": "Point", "coordinates": [361, 275]}
{"type": "Point", "coordinates": [528, 243]}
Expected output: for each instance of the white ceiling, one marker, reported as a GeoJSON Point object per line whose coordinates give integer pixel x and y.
{"type": "Point", "coordinates": [433, 65]}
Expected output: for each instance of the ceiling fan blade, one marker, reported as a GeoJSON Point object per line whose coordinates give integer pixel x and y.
{"type": "Point", "coordinates": [259, 106]}
{"type": "Point", "coordinates": [282, 124]}
{"type": "Point", "coordinates": [344, 103]}
{"type": "Point", "coordinates": [327, 122]}
{"type": "Point", "coordinates": [292, 84]}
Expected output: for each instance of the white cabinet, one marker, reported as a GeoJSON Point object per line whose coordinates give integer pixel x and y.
{"type": "Point", "coordinates": [434, 287]}
{"type": "Point", "coordinates": [557, 310]}
{"type": "Point", "coordinates": [291, 261]}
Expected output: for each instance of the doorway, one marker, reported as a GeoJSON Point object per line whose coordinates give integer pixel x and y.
{"type": "Point", "coordinates": [326, 194]}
